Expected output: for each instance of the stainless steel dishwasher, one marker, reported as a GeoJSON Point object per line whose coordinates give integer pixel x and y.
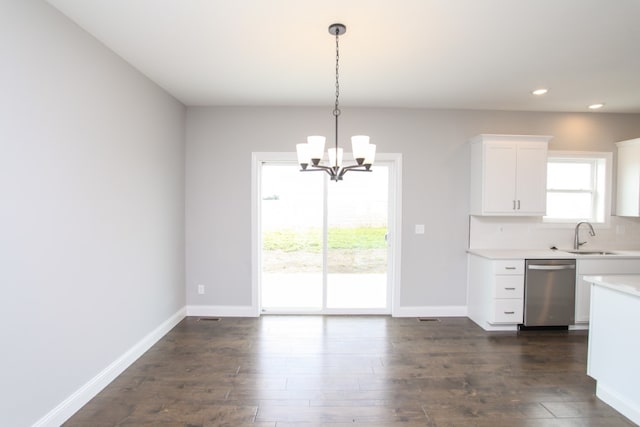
{"type": "Point", "coordinates": [549, 292]}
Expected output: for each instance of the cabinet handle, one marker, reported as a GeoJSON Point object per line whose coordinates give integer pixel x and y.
{"type": "Point", "coordinates": [514, 205]}
{"type": "Point", "coordinates": [518, 204]}
{"type": "Point", "coordinates": [510, 289]}
{"type": "Point", "coordinates": [509, 312]}
{"type": "Point", "coordinates": [509, 268]}
{"type": "Point", "coordinates": [552, 267]}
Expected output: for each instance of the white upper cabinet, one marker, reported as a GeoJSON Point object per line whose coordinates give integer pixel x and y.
{"type": "Point", "coordinates": [509, 175]}
{"type": "Point", "coordinates": [628, 200]}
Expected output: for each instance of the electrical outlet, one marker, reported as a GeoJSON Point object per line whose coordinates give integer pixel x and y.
{"type": "Point", "coordinates": [201, 289]}
{"type": "Point", "coordinates": [419, 228]}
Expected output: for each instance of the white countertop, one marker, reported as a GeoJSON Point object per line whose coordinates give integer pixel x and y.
{"type": "Point", "coordinates": [628, 284]}
{"type": "Point", "coordinates": [550, 254]}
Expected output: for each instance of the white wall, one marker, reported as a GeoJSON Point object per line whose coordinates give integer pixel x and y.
{"type": "Point", "coordinates": [531, 233]}
{"type": "Point", "coordinates": [435, 179]}
{"type": "Point", "coordinates": [91, 209]}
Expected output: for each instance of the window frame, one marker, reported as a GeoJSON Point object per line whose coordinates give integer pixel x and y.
{"type": "Point", "coordinates": [601, 183]}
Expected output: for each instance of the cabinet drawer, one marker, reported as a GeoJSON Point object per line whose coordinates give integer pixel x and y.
{"type": "Point", "coordinates": [507, 311]}
{"type": "Point", "coordinates": [509, 287]}
{"type": "Point", "coordinates": [608, 266]}
{"type": "Point", "coordinates": [504, 266]}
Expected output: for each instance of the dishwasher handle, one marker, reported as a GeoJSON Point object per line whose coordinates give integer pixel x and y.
{"type": "Point", "coordinates": [551, 267]}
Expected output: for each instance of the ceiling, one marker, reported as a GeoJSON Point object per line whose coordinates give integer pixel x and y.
{"type": "Point", "coordinates": [451, 54]}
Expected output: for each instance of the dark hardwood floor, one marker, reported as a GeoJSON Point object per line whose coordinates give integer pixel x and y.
{"type": "Point", "coordinates": [338, 371]}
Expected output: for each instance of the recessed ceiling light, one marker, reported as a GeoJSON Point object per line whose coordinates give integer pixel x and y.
{"type": "Point", "coordinates": [596, 106]}
{"type": "Point", "coordinates": [540, 91]}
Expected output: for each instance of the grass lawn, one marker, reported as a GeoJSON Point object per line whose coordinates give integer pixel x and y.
{"type": "Point", "coordinates": [311, 240]}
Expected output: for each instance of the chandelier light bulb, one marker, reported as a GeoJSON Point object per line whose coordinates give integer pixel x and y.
{"type": "Point", "coordinates": [371, 155]}
{"type": "Point", "coordinates": [316, 148]}
{"type": "Point", "coordinates": [333, 160]}
{"type": "Point", "coordinates": [304, 155]}
{"type": "Point", "coordinates": [359, 144]}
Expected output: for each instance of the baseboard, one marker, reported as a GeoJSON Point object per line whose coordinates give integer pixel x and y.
{"type": "Point", "coordinates": [84, 394]}
{"type": "Point", "coordinates": [222, 310]}
{"type": "Point", "coordinates": [431, 311]}
{"type": "Point", "coordinates": [622, 404]}
{"type": "Point", "coordinates": [249, 311]}
{"type": "Point", "coordinates": [579, 327]}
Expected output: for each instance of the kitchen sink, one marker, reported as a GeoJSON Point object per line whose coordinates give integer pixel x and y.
{"type": "Point", "coordinates": [591, 252]}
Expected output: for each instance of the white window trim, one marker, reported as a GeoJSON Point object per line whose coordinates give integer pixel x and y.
{"type": "Point", "coordinates": [608, 186]}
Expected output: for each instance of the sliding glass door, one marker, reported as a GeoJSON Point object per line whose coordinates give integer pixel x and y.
{"type": "Point", "coordinates": [323, 244]}
{"type": "Point", "coordinates": [292, 216]}
{"type": "Point", "coordinates": [356, 268]}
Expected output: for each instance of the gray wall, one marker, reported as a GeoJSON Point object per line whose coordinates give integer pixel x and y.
{"type": "Point", "coordinates": [91, 208]}
{"type": "Point", "coordinates": [435, 184]}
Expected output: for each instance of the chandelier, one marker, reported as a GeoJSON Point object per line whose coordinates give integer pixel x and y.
{"type": "Point", "coordinates": [310, 154]}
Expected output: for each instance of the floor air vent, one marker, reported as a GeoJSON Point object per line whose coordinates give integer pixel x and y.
{"type": "Point", "coordinates": [208, 319]}
{"type": "Point", "coordinates": [428, 319]}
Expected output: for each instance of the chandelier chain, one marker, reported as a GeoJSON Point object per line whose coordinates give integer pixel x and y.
{"type": "Point", "coordinates": [336, 111]}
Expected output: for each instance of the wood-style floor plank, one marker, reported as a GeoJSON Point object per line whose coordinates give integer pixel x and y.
{"type": "Point", "coordinates": [286, 371]}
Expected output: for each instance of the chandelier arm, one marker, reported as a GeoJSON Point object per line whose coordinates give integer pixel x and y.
{"type": "Point", "coordinates": [332, 173]}
{"type": "Point", "coordinates": [320, 168]}
{"type": "Point", "coordinates": [355, 168]}
{"type": "Point", "coordinates": [365, 169]}
{"type": "Point", "coordinates": [331, 170]}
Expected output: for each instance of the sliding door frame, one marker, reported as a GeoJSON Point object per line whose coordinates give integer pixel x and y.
{"type": "Point", "coordinates": [394, 160]}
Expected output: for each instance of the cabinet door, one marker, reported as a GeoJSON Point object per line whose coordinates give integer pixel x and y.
{"type": "Point", "coordinates": [499, 187]}
{"type": "Point", "coordinates": [531, 181]}
{"type": "Point", "coordinates": [583, 300]}
{"type": "Point", "coordinates": [628, 200]}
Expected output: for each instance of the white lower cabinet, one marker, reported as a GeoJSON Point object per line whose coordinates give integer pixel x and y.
{"type": "Point", "coordinates": [598, 267]}
{"type": "Point", "coordinates": [495, 299]}
{"type": "Point", "coordinates": [495, 296]}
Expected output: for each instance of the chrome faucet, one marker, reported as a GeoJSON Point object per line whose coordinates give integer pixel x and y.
{"type": "Point", "coordinates": [576, 239]}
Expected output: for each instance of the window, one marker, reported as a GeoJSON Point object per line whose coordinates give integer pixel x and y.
{"type": "Point", "coordinates": [578, 186]}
